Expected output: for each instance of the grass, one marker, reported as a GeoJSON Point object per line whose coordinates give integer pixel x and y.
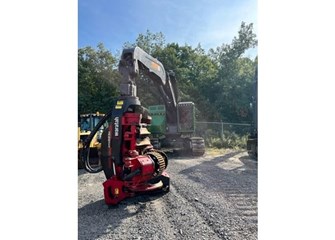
{"type": "Point", "coordinates": [216, 151]}
{"type": "Point", "coordinates": [232, 141]}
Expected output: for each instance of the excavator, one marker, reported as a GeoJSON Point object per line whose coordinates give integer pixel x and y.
{"type": "Point", "coordinates": [129, 161]}
{"type": "Point", "coordinates": [132, 163]}
{"type": "Point", "coordinates": [173, 124]}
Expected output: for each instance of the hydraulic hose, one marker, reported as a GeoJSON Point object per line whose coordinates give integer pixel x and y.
{"type": "Point", "coordinates": [85, 154]}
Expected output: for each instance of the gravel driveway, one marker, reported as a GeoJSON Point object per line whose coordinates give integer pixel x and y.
{"type": "Point", "coordinates": [211, 197]}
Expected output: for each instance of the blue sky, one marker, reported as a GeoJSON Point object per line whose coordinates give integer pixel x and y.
{"type": "Point", "coordinates": [208, 22]}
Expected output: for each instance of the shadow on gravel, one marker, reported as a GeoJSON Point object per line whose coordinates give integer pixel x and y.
{"type": "Point", "coordinates": [186, 158]}
{"type": "Point", "coordinates": [239, 179]}
{"type": "Point", "coordinates": [97, 219]}
{"type": "Point", "coordinates": [249, 162]}
{"type": "Point", "coordinates": [81, 172]}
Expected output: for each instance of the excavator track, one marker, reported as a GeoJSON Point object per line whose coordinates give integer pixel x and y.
{"type": "Point", "coordinates": [198, 146]}
{"type": "Point", "coordinates": [194, 146]}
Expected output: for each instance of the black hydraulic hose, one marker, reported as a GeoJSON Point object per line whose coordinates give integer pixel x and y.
{"type": "Point", "coordinates": [86, 148]}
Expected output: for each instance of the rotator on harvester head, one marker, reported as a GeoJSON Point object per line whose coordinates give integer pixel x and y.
{"type": "Point", "coordinates": [129, 161]}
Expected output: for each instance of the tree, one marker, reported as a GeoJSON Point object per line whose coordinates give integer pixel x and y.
{"type": "Point", "coordinates": [193, 69]}
{"type": "Point", "coordinates": [219, 82]}
{"type": "Point", "coordinates": [232, 89]}
{"type": "Point", "coordinates": [98, 80]}
{"type": "Point", "coordinates": [149, 42]}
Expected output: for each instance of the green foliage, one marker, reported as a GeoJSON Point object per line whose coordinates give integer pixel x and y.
{"type": "Point", "coordinates": [230, 140]}
{"type": "Point", "coordinates": [193, 68]}
{"type": "Point", "coordinates": [232, 89]}
{"type": "Point", "coordinates": [149, 42]}
{"type": "Point", "coordinates": [98, 80]}
{"type": "Point", "coordinates": [218, 82]}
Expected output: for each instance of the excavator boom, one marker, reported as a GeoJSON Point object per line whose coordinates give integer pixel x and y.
{"type": "Point", "coordinates": [135, 61]}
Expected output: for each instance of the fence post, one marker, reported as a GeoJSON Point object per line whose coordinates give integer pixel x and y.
{"type": "Point", "coordinates": [222, 137]}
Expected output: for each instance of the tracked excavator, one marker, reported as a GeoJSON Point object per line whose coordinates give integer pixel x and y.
{"type": "Point", "coordinates": [130, 163]}
{"type": "Point", "coordinates": [173, 124]}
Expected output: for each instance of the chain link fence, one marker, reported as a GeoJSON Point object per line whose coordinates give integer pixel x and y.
{"type": "Point", "coordinates": [223, 135]}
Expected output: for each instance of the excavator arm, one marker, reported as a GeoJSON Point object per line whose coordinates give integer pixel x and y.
{"type": "Point", "coordinates": [135, 61]}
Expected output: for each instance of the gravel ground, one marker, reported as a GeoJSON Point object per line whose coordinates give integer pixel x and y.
{"type": "Point", "coordinates": [211, 197]}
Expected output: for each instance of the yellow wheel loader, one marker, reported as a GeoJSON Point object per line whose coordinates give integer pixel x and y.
{"type": "Point", "coordinates": [86, 124]}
